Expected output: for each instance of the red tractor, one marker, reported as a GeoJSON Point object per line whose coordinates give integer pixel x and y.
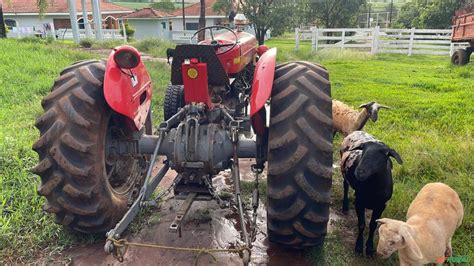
{"type": "Point", "coordinates": [97, 149]}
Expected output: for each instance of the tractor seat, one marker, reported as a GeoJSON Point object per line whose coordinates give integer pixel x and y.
{"type": "Point", "coordinates": [204, 53]}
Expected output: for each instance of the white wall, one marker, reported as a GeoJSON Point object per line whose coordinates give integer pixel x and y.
{"type": "Point", "coordinates": [148, 28]}
{"type": "Point", "coordinates": [178, 22]}
{"type": "Point", "coordinates": [31, 20]}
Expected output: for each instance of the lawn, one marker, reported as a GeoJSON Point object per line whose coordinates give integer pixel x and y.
{"type": "Point", "coordinates": [431, 125]}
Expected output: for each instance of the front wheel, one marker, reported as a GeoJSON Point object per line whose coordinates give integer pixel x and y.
{"type": "Point", "coordinates": [299, 155]}
{"type": "Point", "coordinates": [87, 185]}
{"type": "Point", "coordinates": [460, 57]}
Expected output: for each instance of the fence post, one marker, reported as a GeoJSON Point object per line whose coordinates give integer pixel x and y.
{"type": "Point", "coordinates": [343, 39]}
{"type": "Point", "coordinates": [451, 49]}
{"type": "Point", "coordinates": [315, 38]}
{"type": "Point", "coordinates": [410, 45]}
{"type": "Point", "coordinates": [297, 38]}
{"type": "Point", "coordinates": [375, 39]}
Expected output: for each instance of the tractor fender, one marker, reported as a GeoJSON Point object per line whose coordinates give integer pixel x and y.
{"type": "Point", "coordinates": [128, 91]}
{"type": "Point", "coordinates": [262, 87]}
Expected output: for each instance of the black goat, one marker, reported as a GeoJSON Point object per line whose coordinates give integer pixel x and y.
{"type": "Point", "coordinates": [169, 54]}
{"type": "Point", "coordinates": [367, 168]}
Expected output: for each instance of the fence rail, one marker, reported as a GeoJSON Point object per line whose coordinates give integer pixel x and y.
{"type": "Point", "coordinates": [381, 40]}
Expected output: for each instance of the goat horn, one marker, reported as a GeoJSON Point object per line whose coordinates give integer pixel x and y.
{"type": "Point", "coordinates": [365, 105]}
{"type": "Point", "coordinates": [382, 106]}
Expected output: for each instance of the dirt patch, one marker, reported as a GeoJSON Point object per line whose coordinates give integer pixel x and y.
{"type": "Point", "coordinates": [206, 226]}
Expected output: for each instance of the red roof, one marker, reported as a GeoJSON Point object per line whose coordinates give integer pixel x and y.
{"type": "Point", "coordinates": [195, 10]}
{"type": "Point", "coordinates": [56, 6]}
{"type": "Point", "coordinates": [148, 12]}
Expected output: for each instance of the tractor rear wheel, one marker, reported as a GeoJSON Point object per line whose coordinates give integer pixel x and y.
{"type": "Point", "coordinates": [86, 184]}
{"type": "Point", "coordinates": [174, 99]}
{"type": "Point", "coordinates": [299, 155]}
{"type": "Point", "coordinates": [460, 57]}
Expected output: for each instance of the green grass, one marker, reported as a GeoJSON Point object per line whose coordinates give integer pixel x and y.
{"type": "Point", "coordinates": [27, 73]}
{"type": "Point", "coordinates": [431, 125]}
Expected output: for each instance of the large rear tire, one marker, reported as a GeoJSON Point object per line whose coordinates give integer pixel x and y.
{"type": "Point", "coordinates": [88, 187]}
{"type": "Point", "coordinates": [299, 155]}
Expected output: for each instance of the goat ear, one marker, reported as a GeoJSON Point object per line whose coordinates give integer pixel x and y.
{"type": "Point", "coordinates": [382, 221]}
{"type": "Point", "coordinates": [394, 154]}
{"type": "Point", "coordinates": [410, 242]}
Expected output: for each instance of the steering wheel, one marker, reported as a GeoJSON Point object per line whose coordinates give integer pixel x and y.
{"type": "Point", "coordinates": [215, 43]}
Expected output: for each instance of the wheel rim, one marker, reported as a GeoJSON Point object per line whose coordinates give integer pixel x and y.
{"type": "Point", "coordinates": [456, 59]}
{"type": "Point", "coordinates": [123, 171]}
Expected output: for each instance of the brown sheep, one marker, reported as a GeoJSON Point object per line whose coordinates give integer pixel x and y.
{"type": "Point", "coordinates": [433, 216]}
{"type": "Point", "coordinates": [347, 120]}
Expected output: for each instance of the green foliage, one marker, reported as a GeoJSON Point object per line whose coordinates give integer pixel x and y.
{"type": "Point", "coordinates": [268, 14]}
{"type": "Point", "coordinates": [129, 30]}
{"type": "Point", "coordinates": [154, 46]}
{"type": "Point", "coordinates": [166, 5]}
{"type": "Point", "coordinates": [433, 14]}
{"type": "Point", "coordinates": [86, 43]}
{"type": "Point", "coordinates": [334, 13]}
{"type": "Point", "coordinates": [222, 6]}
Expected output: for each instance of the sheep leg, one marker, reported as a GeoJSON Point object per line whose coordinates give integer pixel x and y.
{"type": "Point", "coordinates": [345, 201]}
{"type": "Point", "coordinates": [376, 213]}
{"type": "Point", "coordinates": [360, 210]}
{"type": "Point", "coordinates": [449, 250]}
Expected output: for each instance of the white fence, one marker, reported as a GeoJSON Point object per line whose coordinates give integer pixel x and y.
{"type": "Point", "coordinates": [381, 40]}
{"type": "Point", "coordinates": [109, 34]}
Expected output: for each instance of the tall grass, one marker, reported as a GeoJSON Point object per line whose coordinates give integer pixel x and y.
{"type": "Point", "coordinates": [27, 73]}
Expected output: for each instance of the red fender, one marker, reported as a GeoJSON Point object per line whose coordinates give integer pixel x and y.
{"type": "Point", "coordinates": [262, 87]}
{"type": "Point", "coordinates": [125, 96]}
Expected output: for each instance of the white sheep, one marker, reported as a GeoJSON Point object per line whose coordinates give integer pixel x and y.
{"type": "Point", "coordinates": [433, 216]}
{"type": "Point", "coordinates": [347, 120]}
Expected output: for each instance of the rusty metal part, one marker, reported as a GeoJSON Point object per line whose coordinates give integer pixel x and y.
{"type": "Point", "coordinates": [175, 226]}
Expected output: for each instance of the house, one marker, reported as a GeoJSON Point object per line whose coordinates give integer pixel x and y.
{"type": "Point", "coordinates": [149, 23]}
{"type": "Point", "coordinates": [192, 14]}
{"type": "Point", "coordinates": [23, 15]}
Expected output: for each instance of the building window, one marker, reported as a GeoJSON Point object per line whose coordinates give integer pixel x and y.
{"type": "Point", "coordinates": [192, 26]}
{"type": "Point", "coordinates": [80, 22]}
{"type": "Point", "coordinates": [171, 25]}
{"type": "Point", "coordinates": [10, 23]}
{"type": "Point", "coordinates": [163, 25]}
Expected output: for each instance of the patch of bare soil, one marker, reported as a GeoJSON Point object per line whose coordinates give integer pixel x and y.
{"type": "Point", "coordinates": [206, 226]}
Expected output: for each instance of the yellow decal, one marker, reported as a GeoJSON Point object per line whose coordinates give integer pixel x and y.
{"type": "Point", "coordinates": [192, 73]}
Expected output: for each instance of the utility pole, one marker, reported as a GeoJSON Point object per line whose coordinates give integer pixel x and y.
{"type": "Point", "coordinates": [73, 18]}
{"type": "Point", "coordinates": [97, 20]}
{"type": "Point", "coordinates": [85, 19]}
{"type": "Point", "coordinates": [3, 31]}
{"type": "Point", "coordinates": [391, 11]}
{"type": "Point", "coordinates": [184, 15]}
{"type": "Point", "coordinates": [368, 17]}
{"type": "Point", "coordinates": [202, 21]}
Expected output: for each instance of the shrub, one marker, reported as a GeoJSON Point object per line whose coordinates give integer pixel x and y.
{"type": "Point", "coordinates": [86, 43]}
{"type": "Point", "coordinates": [129, 30]}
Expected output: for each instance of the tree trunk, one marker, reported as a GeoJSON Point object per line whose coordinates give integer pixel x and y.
{"type": "Point", "coordinates": [202, 21]}
{"type": "Point", "coordinates": [3, 31]}
{"type": "Point", "coordinates": [260, 34]}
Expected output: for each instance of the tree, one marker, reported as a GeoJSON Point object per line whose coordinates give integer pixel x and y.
{"type": "Point", "coordinates": [334, 13]}
{"type": "Point", "coordinates": [223, 7]}
{"type": "Point", "coordinates": [166, 5]}
{"type": "Point", "coordinates": [3, 30]}
{"type": "Point", "coordinates": [267, 15]}
{"type": "Point", "coordinates": [431, 14]}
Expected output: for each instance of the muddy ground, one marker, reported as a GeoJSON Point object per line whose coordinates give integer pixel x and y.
{"type": "Point", "coordinates": [206, 226]}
